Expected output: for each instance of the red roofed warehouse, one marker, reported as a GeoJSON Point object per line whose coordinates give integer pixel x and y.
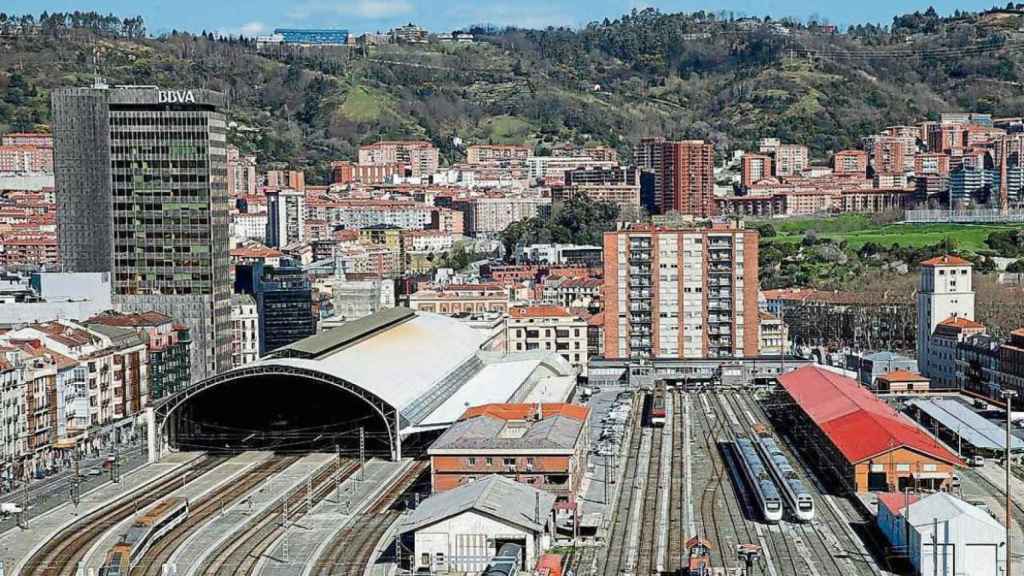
{"type": "Point", "coordinates": [870, 445]}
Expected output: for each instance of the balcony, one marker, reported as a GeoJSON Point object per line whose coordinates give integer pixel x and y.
{"type": "Point", "coordinates": [640, 294]}
{"type": "Point", "coordinates": [639, 270]}
{"type": "Point", "coordinates": [638, 256]}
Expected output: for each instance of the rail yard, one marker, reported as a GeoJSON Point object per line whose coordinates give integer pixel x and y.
{"type": "Point", "coordinates": [703, 482]}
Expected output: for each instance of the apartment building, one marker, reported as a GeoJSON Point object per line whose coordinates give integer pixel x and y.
{"type": "Point", "coordinates": [684, 178]}
{"type": "Point", "coordinates": [167, 347]}
{"type": "Point", "coordinates": [361, 213]}
{"type": "Point", "coordinates": [497, 153]}
{"type": "Point", "coordinates": [458, 298]}
{"type": "Point", "coordinates": [419, 156]}
{"type": "Point", "coordinates": [551, 329]}
{"type": "Point", "coordinates": [286, 217]}
{"type": "Point", "coordinates": [343, 172]}
{"type": "Point", "coordinates": [755, 167]}
{"type": "Point", "coordinates": [847, 162]}
{"type": "Point", "coordinates": [789, 159]}
{"type": "Point", "coordinates": [245, 330]}
{"type": "Point", "coordinates": [681, 293]}
{"type": "Point", "coordinates": [241, 179]}
{"type": "Point", "coordinates": [488, 217]}
{"type": "Point", "coordinates": [26, 160]}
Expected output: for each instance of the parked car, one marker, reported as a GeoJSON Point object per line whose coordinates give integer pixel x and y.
{"type": "Point", "coordinates": [94, 472]}
{"type": "Point", "coordinates": [976, 461]}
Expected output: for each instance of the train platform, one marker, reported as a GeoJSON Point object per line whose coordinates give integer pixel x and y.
{"type": "Point", "coordinates": [192, 491]}
{"type": "Point", "coordinates": [18, 544]}
{"type": "Point", "coordinates": [995, 476]}
{"type": "Point", "coordinates": [189, 557]}
{"type": "Point", "coordinates": [597, 493]}
{"type": "Point", "coordinates": [296, 551]}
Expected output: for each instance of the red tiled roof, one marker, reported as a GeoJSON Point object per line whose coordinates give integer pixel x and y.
{"type": "Point", "coordinates": [857, 423]}
{"type": "Point", "coordinates": [902, 376]}
{"type": "Point", "coordinates": [961, 323]}
{"type": "Point", "coordinates": [946, 260]}
{"type": "Point", "coordinates": [896, 501]}
{"type": "Point", "coordinates": [522, 411]}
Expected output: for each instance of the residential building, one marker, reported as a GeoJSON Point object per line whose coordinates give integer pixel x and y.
{"type": "Point", "coordinates": [458, 298]}
{"type": "Point", "coordinates": [284, 302]}
{"type": "Point", "coordinates": [941, 362]}
{"type": "Point", "coordinates": [487, 217]}
{"type": "Point", "coordinates": [420, 157]}
{"type": "Point", "coordinates": [543, 445]}
{"type": "Point", "coordinates": [684, 177]}
{"type": "Point", "coordinates": [850, 162]}
{"type": "Point", "coordinates": [1011, 364]}
{"type": "Point", "coordinates": [461, 530]}
{"type": "Point", "coordinates": [931, 163]}
{"type": "Point", "coordinates": [681, 293]}
{"type": "Point", "coordinates": [549, 328]}
{"type": "Point", "coordinates": [292, 179]}
{"type": "Point", "coordinates": [410, 34]}
{"type": "Point", "coordinates": [241, 173]}
{"type": "Point", "coordinates": [869, 367]}
{"type": "Point", "coordinates": [245, 330]}
{"type": "Point", "coordinates": [21, 159]}
{"type": "Point", "coordinates": [286, 217]}
{"type": "Point", "coordinates": [772, 335]}
{"type": "Point", "coordinates": [343, 172]}
{"type": "Point", "coordinates": [789, 159]}
{"type": "Point", "coordinates": [167, 348]}
{"type": "Point", "coordinates": [755, 167]}
{"type": "Point", "coordinates": [499, 153]}
{"type": "Point", "coordinates": [354, 299]}
{"type": "Point", "coordinates": [249, 226]}
{"type": "Point", "coordinates": [160, 228]}
{"type": "Point", "coordinates": [978, 365]}
{"type": "Point", "coordinates": [560, 254]}
{"type": "Point", "coordinates": [945, 291]}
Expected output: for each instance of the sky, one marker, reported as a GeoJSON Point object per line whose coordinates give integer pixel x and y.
{"type": "Point", "coordinates": [253, 17]}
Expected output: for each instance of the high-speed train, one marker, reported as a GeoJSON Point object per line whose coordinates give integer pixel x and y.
{"type": "Point", "coordinates": [798, 498]}
{"type": "Point", "coordinates": [768, 500]}
{"type": "Point", "coordinates": [147, 529]}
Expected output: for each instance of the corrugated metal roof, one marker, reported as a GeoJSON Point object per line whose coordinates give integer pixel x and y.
{"type": "Point", "coordinates": [859, 425]}
{"type": "Point", "coordinates": [975, 429]}
{"type": "Point", "coordinates": [347, 334]}
{"type": "Point", "coordinates": [494, 495]}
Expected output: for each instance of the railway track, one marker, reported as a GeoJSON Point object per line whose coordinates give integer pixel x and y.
{"type": "Point", "coordinates": [62, 553]}
{"type": "Point", "coordinates": [820, 536]}
{"type": "Point", "coordinates": [615, 551]}
{"type": "Point", "coordinates": [351, 549]}
{"type": "Point", "coordinates": [646, 560]}
{"type": "Point", "coordinates": [676, 537]}
{"type": "Point", "coordinates": [241, 554]}
{"type": "Point", "coordinates": [152, 562]}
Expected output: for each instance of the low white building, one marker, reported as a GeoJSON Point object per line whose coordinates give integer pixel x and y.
{"type": "Point", "coordinates": [943, 535]}
{"type": "Point", "coordinates": [461, 530]}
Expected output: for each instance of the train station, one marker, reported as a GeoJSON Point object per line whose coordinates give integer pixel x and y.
{"type": "Point", "coordinates": [377, 381]}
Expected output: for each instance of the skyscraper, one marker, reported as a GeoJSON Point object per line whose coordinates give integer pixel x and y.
{"type": "Point", "coordinates": [284, 302]}
{"type": "Point", "coordinates": [141, 187]}
{"type": "Point", "coordinates": [684, 175]}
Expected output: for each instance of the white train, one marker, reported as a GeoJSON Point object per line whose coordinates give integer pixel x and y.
{"type": "Point", "coordinates": [148, 527]}
{"type": "Point", "coordinates": [768, 500]}
{"type": "Point", "coordinates": [798, 498]}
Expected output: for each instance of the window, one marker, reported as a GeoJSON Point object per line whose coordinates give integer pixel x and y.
{"type": "Point", "coordinates": [878, 467]}
{"type": "Point", "coordinates": [928, 467]}
{"type": "Point", "coordinates": [510, 461]}
{"type": "Point", "coordinates": [903, 467]}
{"type": "Point", "coordinates": [425, 559]}
{"type": "Point", "coordinates": [489, 461]}
{"type": "Point", "coordinates": [529, 461]}
{"type": "Point", "coordinates": [472, 460]}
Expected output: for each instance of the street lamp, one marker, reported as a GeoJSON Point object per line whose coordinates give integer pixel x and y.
{"type": "Point", "coordinates": [1008, 395]}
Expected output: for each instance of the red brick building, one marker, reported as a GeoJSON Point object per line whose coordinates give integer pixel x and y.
{"type": "Point", "coordinates": [547, 450]}
{"type": "Point", "coordinates": [684, 179]}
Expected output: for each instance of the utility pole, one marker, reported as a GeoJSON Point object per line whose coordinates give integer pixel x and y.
{"type": "Point", "coordinates": [1008, 395]}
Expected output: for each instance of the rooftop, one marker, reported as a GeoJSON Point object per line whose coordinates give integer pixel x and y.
{"type": "Point", "coordinates": [946, 260]}
{"type": "Point", "coordinates": [857, 423]}
{"type": "Point", "coordinates": [515, 426]}
{"type": "Point", "coordinates": [497, 496]}
{"type": "Point", "coordinates": [902, 376]}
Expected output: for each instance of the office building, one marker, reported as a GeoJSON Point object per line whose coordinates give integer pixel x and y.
{"type": "Point", "coordinates": [284, 302]}
{"type": "Point", "coordinates": [684, 179]}
{"type": "Point", "coordinates": [141, 193]}
{"type": "Point", "coordinates": [681, 293]}
{"type": "Point", "coordinates": [286, 217]}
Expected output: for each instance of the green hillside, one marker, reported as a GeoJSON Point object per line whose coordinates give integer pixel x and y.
{"type": "Point", "coordinates": [678, 75]}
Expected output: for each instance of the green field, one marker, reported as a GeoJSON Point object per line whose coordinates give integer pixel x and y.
{"type": "Point", "coordinates": [857, 230]}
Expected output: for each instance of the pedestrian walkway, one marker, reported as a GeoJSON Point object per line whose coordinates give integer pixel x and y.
{"type": "Point", "coordinates": [298, 549]}
{"type": "Point", "coordinates": [19, 544]}
{"type": "Point", "coordinates": [189, 557]}
{"type": "Point", "coordinates": [192, 491]}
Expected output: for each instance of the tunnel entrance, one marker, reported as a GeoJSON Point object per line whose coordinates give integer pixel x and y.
{"type": "Point", "coordinates": [284, 413]}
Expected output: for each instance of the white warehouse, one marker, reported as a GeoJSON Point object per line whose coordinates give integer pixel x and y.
{"type": "Point", "coordinates": [460, 530]}
{"type": "Point", "coordinates": [946, 536]}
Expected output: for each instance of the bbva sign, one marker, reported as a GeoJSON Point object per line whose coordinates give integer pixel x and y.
{"type": "Point", "coordinates": [176, 97]}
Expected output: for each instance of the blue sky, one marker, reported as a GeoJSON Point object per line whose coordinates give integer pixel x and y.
{"type": "Point", "coordinates": [259, 16]}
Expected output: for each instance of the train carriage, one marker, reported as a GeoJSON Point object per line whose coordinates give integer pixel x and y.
{"type": "Point", "coordinates": [656, 418]}
{"type": "Point", "coordinates": [506, 562]}
{"type": "Point", "coordinates": [766, 493]}
{"type": "Point", "coordinates": [795, 492]}
{"type": "Point", "coordinates": [148, 527]}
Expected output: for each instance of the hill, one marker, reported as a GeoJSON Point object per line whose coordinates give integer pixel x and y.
{"type": "Point", "coordinates": [647, 73]}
